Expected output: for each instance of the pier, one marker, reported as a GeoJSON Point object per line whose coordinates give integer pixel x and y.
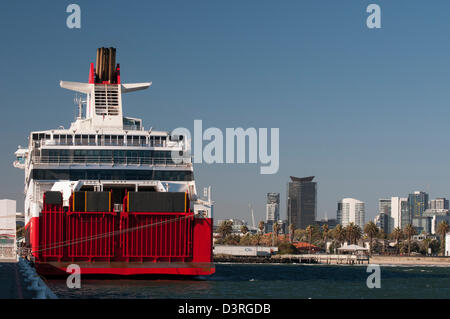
{"type": "Point", "coordinates": [297, 259]}
{"type": "Point", "coordinates": [324, 259]}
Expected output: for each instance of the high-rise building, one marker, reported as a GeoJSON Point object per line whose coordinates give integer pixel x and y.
{"type": "Point", "coordinates": [353, 211]}
{"type": "Point", "coordinates": [339, 213]}
{"type": "Point", "coordinates": [418, 203]}
{"type": "Point", "coordinates": [301, 201]}
{"type": "Point", "coordinates": [384, 214]}
{"type": "Point", "coordinates": [400, 212]}
{"type": "Point", "coordinates": [438, 203]}
{"type": "Point", "coordinates": [273, 206]}
{"type": "Point", "coordinates": [384, 205]}
{"type": "Point", "coordinates": [383, 222]}
{"type": "Point", "coordinates": [272, 210]}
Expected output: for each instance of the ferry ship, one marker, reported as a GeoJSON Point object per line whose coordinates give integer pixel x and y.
{"type": "Point", "coordinates": [110, 196]}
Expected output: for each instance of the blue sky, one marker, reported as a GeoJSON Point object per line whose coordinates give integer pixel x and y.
{"type": "Point", "coordinates": [365, 111]}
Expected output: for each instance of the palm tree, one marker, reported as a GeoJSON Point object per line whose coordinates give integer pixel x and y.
{"type": "Point", "coordinates": [291, 232]}
{"type": "Point", "coordinates": [225, 228]}
{"type": "Point", "coordinates": [358, 233]}
{"type": "Point", "coordinates": [276, 229]}
{"type": "Point", "coordinates": [339, 234]}
{"type": "Point", "coordinates": [425, 245]}
{"type": "Point", "coordinates": [244, 229]}
{"type": "Point", "coordinates": [349, 233]}
{"type": "Point", "coordinates": [397, 234]}
{"type": "Point", "coordinates": [443, 229]}
{"type": "Point", "coordinates": [371, 231]}
{"type": "Point", "coordinates": [353, 233]}
{"type": "Point", "coordinates": [409, 232]}
{"type": "Point", "coordinates": [261, 226]}
{"type": "Point", "coordinates": [325, 231]}
{"type": "Point", "coordinates": [309, 231]}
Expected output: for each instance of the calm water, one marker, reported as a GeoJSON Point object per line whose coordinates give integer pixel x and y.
{"type": "Point", "coordinates": [274, 281]}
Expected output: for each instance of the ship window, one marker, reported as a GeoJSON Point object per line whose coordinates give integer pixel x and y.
{"type": "Point", "coordinates": [90, 157]}
{"type": "Point", "coordinates": [64, 156]}
{"type": "Point", "coordinates": [119, 157]}
{"type": "Point", "coordinates": [133, 158]}
{"type": "Point", "coordinates": [143, 140]}
{"type": "Point", "coordinates": [107, 139]}
{"type": "Point", "coordinates": [90, 174]}
{"type": "Point", "coordinates": [120, 140]}
{"type": "Point", "coordinates": [79, 156]}
{"type": "Point", "coordinates": [113, 139]}
{"type": "Point", "coordinates": [107, 156]}
{"type": "Point", "coordinates": [91, 139]}
{"type": "Point", "coordinates": [65, 139]}
{"type": "Point", "coordinates": [35, 137]}
{"type": "Point", "coordinates": [158, 140]}
{"type": "Point", "coordinates": [175, 138]}
{"type": "Point", "coordinates": [77, 139]}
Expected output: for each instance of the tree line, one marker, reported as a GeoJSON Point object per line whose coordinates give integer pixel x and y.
{"type": "Point", "coordinates": [320, 236]}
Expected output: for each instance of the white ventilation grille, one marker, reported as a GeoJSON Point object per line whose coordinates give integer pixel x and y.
{"type": "Point", "coordinates": [106, 99]}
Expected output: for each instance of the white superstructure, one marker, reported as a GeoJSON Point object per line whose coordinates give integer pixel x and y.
{"type": "Point", "coordinates": [104, 150]}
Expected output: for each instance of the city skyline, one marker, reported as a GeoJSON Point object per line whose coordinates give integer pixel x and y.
{"type": "Point", "coordinates": [395, 207]}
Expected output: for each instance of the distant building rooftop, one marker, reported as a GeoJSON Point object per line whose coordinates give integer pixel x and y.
{"type": "Point", "coordinates": [302, 179]}
{"type": "Point", "coordinates": [305, 246]}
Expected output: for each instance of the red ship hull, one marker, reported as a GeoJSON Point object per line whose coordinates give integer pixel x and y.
{"type": "Point", "coordinates": [123, 243]}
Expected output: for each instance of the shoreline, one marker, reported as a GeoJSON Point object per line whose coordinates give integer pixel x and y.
{"type": "Point", "coordinates": [410, 261]}
{"type": "Point", "coordinates": [340, 260]}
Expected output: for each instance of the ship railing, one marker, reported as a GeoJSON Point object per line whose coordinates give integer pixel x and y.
{"type": "Point", "coordinates": [109, 160]}
{"type": "Point", "coordinates": [100, 142]}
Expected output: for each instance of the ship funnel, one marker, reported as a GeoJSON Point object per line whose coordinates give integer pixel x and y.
{"type": "Point", "coordinates": [104, 91]}
{"type": "Point", "coordinates": [106, 70]}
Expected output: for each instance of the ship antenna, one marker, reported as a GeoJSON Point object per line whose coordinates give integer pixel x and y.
{"type": "Point", "coordinates": [78, 100]}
